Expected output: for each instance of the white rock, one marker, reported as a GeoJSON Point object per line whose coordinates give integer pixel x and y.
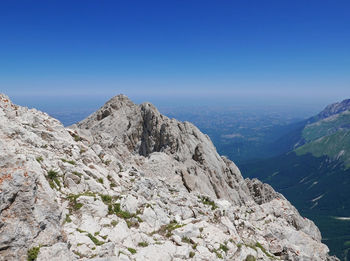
{"type": "Point", "coordinates": [189, 231]}
{"type": "Point", "coordinates": [57, 252]}
{"type": "Point", "coordinates": [89, 223]}
{"type": "Point", "coordinates": [165, 168]}
{"type": "Point", "coordinates": [93, 207]}
{"type": "Point", "coordinates": [120, 232]}
{"type": "Point", "coordinates": [130, 204]}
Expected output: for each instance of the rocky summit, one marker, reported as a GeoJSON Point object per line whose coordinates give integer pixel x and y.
{"type": "Point", "coordinates": [128, 183]}
{"type": "Point", "coordinates": [333, 109]}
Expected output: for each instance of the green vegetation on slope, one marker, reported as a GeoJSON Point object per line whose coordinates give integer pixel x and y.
{"type": "Point", "coordinates": [335, 234]}
{"type": "Point", "coordinates": [335, 146]}
{"type": "Point", "coordinates": [327, 126]}
{"type": "Point", "coordinates": [315, 177]}
{"type": "Point", "coordinates": [317, 186]}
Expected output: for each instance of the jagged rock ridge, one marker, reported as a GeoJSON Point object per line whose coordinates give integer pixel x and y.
{"type": "Point", "coordinates": [333, 109]}
{"type": "Point", "coordinates": [141, 131]}
{"type": "Point", "coordinates": [128, 183]}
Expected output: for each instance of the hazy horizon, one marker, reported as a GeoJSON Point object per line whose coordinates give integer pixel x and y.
{"type": "Point", "coordinates": [277, 52]}
{"type": "Point", "coordinates": [86, 102]}
{"type": "Point", "coordinates": [72, 109]}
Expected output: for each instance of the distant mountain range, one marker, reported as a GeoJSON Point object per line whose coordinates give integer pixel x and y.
{"type": "Point", "coordinates": [313, 172]}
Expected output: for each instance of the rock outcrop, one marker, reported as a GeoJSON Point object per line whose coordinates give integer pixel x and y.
{"type": "Point", "coordinates": [140, 134]}
{"type": "Point", "coordinates": [128, 183]}
{"type": "Point", "coordinates": [333, 109]}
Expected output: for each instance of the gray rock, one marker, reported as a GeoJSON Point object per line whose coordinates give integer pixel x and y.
{"type": "Point", "coordinates": [261, 193]}
{"type": "Point", "coordinates": [128, 183]}
{"type": "Point", "coordinates": [57, 252]}
{"type": "Point", "coordinates": [192, 156]}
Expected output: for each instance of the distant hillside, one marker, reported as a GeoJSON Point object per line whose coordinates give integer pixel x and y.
{"type": "Point", "coordinates": [333, 109]}
{"type": "Point", "coordinates": [313, 172]}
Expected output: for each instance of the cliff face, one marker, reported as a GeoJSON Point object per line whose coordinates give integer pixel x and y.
{"type": "Point", "coordinates": [128, 183]}
{"type": "Point", "coordinates": [140, 134]}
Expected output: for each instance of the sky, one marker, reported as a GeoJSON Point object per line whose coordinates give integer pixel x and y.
{"type": "Point", "coordinates": [82, 52]}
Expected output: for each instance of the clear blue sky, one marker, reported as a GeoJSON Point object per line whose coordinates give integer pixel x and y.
{"type": "Point", "coordinates": [215, 49]}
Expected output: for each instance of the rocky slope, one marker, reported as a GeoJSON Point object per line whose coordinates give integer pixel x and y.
{"type": "Point", "coordinates": [333, 109]}
{"type": "Point", "coordinates": [128, 183]}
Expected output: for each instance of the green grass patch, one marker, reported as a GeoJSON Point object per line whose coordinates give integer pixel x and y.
{"type": "Point", "coordinates": [58, 183]}
{"type": "Point", "coordinates": [33, 253]}
{"type": "Point", "coordinates": [77, 174]}
{"type": "Point", "coordinates": [95, 240]}
{"type": "Point", "coordinates": [77, 137]}
{"type": "Point", "coordinates": [73, 204]}
{"type": "Point", "coordinates": [186, 240]}
{"type": "Point", "coordinates": [78, 206]}
{"type": "Point", "coordinates": [120, 213]}
{"type": "Point", "coordinates": [51, 174]}
{"type": "Point", "coordinates": [67, 219]}
{"type": "Point", "coordinates": [107, 199]}
{"type": "Point", "coordinates": [52, 184]}
{"type": "Point", "coordinates": [218, 255]}
{"type": "Point", "coordinates": [142, 244]}
{"type": "Point", "coordinates": [80, 230]}
{"type": "Point", "coordinates": [74, 197]}
{"type": "Point", "coordinates": [207, 201]}
{"type": "Point", "coordinates": [132, 250]}
{"type": "Point", "coordinates": [166, 230]}
{"type": "Point", "coordinates": [257, 244]}
{"type": "Point", "coordinates": [250, 258]}
{"type": "Point", "coordinates": [52, 177]}
{"type": "Point", "coordinates": [106, 162]}
{"type": "Point", "coordinates": [132, 220]}
{"type": "Point", "coordinates": [224, 248]}
{"type": "Point", "coordinates": [78, 254]}
{"type": "Point", "coordinates": [72, 162]}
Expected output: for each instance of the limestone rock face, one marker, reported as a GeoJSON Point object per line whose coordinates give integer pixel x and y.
{"type": "Point", "coordinates": [128, 183]}
{"type": "Point", "coordinates": [140, 130]}
{"type": "Point", "coordinates": [260, 192]}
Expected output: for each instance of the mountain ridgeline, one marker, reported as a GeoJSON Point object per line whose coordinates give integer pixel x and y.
{"type": "Point", "coordinates": [128, 183]}
{"type": "Point", "coordinates": [313, 172]}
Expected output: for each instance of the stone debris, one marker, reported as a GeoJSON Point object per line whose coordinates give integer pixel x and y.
{"type": "Point", "coordinates": [128, 183]}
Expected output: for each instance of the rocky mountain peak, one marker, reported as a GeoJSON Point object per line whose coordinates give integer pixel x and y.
{"type": "Point", "coordinates": [3, 96]}
{"type": "Point", "coordinates": [114, 104]}
{"type": "Point", "coordinates": [141, 130]}
{"type": "Point", "coordinates": [334, 108]}
{"type": "Point", "coordinates": [6, 103]}
{"type": "Point", "coordinates": [128, 183]}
